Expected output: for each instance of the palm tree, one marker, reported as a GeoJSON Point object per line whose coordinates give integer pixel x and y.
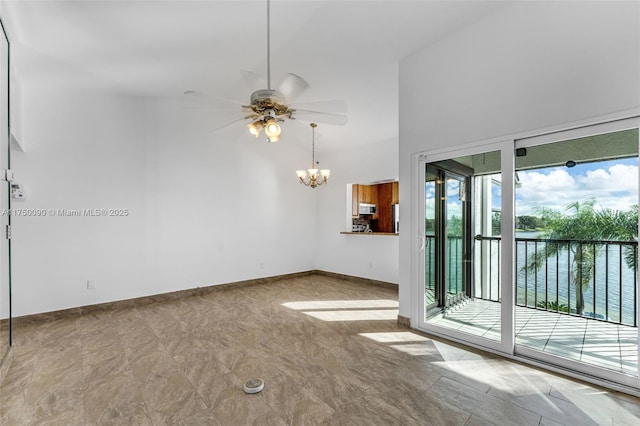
{"type": "Point", "coordinates": [573, 232]}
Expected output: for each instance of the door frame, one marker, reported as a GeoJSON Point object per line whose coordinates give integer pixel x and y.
{"type": "Point", "coordinates": [584, 368]}
{"type": "Point", "coordinates": [443, 270]}
{"type": "Point", "coordinates": [507, 145]}
{"type": "Point", "coordinates": [505, 345]}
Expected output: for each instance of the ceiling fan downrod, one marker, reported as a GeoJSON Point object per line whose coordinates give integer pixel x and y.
{"type": "Point", "coordinates": [269, 44]}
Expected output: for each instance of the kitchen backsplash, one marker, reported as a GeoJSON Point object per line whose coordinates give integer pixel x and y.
{"type": "Point", "coordinates": [360, 222]}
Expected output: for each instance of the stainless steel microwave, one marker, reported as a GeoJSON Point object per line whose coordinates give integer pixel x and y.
{"type": "Point", "coordinates": [366, 208]}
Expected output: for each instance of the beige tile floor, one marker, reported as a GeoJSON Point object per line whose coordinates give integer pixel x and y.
{"type": "Point", "coordinates": [329, 351]}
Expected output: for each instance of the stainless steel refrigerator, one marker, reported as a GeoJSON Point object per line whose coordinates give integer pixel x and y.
{"type": "Point", "coordinates": [395, 217]}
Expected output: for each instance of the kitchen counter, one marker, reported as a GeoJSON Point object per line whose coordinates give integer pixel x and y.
{"type": "Point", "coordinates": [368, 233]}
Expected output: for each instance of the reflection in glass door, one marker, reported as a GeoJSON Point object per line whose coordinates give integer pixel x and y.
{"type": "Point", "coordinates": [461, 201]}
{"type": "Point", "coordinates": [447, 234]}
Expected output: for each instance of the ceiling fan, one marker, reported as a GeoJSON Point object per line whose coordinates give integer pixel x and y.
{"type": "Point", "coordinates": [269, 107]}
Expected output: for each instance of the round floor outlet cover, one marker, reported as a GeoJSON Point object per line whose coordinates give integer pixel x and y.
{"type": "Point", "coordinates": [253, 385]}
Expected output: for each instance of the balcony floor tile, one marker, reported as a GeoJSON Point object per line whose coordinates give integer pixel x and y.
{"type": "Point", "coordinates": [598, 343]}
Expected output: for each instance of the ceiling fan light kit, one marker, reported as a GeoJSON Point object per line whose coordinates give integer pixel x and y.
{"type": "Point", "coordinates": [268, 108]}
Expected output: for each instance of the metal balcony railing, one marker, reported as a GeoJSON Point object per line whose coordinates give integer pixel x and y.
{"type": "Point", "coordinates": [547, 273]}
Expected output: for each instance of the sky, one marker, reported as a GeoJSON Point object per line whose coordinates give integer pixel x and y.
{"type": "Point", "coordinates": [613, 184]}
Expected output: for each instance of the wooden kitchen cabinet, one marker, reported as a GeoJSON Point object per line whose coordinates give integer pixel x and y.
{"type": "Point", "coordinates": [395, 193]}
{"type": "Point", "coordinates": [363, 194]}
{"type": "Point", "coordinates": [370, 194]}
{"type": "Point", "coordinates": [384, 207]}
{"type": "Point", "coordinates": [355, 199]}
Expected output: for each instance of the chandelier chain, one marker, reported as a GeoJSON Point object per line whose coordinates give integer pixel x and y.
{"type": "Point", "coordinates": [313, 146]}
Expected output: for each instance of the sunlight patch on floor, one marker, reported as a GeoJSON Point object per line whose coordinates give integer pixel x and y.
{"type": "Point", "coordinates": [395, 337]}
{"type": "Point", "coordinates": [416, 349]}
{"type": "Point", "coordinates": [355, 315]}
{"type": "Point", "coordinates": [341, 304]}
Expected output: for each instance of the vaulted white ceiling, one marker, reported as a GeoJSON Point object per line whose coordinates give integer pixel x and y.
{"type": "Point", "coordinates": [346, 50]}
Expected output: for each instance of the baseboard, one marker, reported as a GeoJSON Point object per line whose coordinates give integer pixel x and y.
{"type": "Point", "coordinates": [360, 280]}
{"type": "Point", "coordinates": [146, 300]}
{"type": "Point", "coordinates": [199, 291]}
{"type": "Point", "coordinates": [404, 322]}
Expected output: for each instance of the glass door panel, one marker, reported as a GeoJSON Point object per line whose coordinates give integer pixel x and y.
{"type": "Point", "coordinates": [430, 237]}
{"type": "Point", "coordinates": [462, 245]}
{"type": "Point", "coordinates": [5, 205]}
{"type": "Point", "coordinates": [576, 217]}
{"type": "Point", "coordinates": [455, 238]}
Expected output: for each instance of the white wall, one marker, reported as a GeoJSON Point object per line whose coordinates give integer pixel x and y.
{"type": "Point", "coordinates": [528, 66]}
{"type": "Point", "coordinates": [367, 256]}
{"type": "Point", "coordinates": [203, 209]}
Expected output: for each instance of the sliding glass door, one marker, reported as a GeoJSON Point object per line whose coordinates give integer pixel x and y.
{"type": "Point", "coordinates": [531, 248]}
{"type": "Point", "coordinates": [462, 219]}
{"type": "Point", "coordinates": [448, 234]}
{"type": "Point", "coordinates": [576, 250]}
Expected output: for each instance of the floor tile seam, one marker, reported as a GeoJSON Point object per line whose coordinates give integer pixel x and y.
{"type": "Point", "coordinates": [620, 351]}
{"type": "Point", "coordinates": [548, 395]}
{"type": "Point", "coordinates": [533, 413]}
{"type": "Point", "coordinates": [148, 326]}
{"type": "Point", "coordinates": [419, 420]}
{"type": "Point", "coordinates": [86, 384]}
{"type": "Point", "coordinates": [138, 384]}
{"type": "Point", "coordinates": [466, 422]}
{"type": "Point", "coordinates": [584, 339]}
{"type": "Point", "coordinates": [31, 373]}
{"type": "Point", "coordinates": [465, 323]}
{"type": "Point", "coordinates": [487, 395]}
{"type": "Point", "coordinates": [523, 325]}
{"type": "Point", "coordinates": [550, 334]}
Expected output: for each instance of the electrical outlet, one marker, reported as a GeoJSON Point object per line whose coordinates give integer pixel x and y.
{"type": "Point", "coordinates": [91, 284]}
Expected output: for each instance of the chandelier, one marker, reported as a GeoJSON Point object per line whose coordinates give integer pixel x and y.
{"type": "Point", "coordinates": [310, 177]}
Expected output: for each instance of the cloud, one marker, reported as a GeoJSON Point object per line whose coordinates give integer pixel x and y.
{"type": "Point", "coordinates": [613, 186]}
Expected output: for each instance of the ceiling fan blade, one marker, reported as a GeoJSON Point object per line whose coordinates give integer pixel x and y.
{"type": "Point", "coordinates": [226, 125]}
{"type": "Point", "coordinates": [200, 98]}
{"type": "Point", "coordinates": [320, 117]}
{"type": "Point", "coordinates": [253, 80]}
{"type": "Point", "coordinates": [330, 107]}
{"type": "Point", "coordinates": [195, 95]}
{"type": "Point", "coordinates": [292, 86]}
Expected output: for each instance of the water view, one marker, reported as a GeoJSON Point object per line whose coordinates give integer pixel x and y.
{"type": "Point", "coordinates": [610, 292]}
